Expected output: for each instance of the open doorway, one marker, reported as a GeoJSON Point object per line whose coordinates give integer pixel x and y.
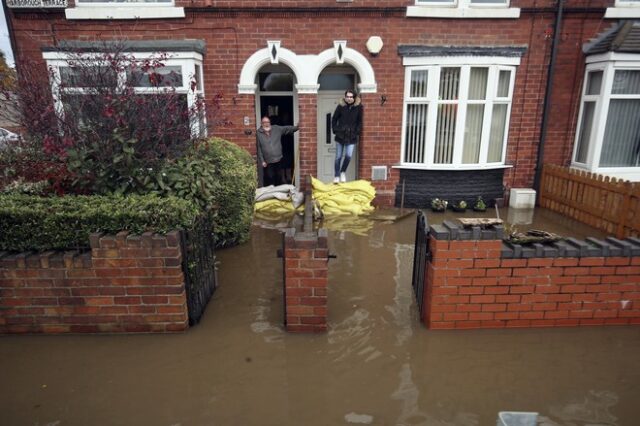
{"type": "Point", "coordinates": [333, 80]}
{"type": "Point", "coordinates": [276, 100]}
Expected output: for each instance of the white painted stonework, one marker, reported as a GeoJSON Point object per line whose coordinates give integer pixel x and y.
{"type": "Point", "coordinates": [307, 68]}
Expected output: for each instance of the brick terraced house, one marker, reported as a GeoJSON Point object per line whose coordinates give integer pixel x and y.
{"type": "Point", "coordinates": [461, 97]}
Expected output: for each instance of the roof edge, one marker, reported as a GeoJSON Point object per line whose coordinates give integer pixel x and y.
{"type": "Point", "coordinates": [187, 45]}
{"type": "Point", "coordinates": [412, 50]}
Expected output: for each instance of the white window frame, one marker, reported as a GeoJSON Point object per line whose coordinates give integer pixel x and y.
{"type": "Point", "coordinates": [189, 62]}
{"type": "Point", "coordinates": [608, 63]}
{"type": "Point", "coordinates": [124, 10]}
{"type": "Point", "coordinates": [462, 9]}
{"type": "Point", "coordinates": [434, 65]}
{"type": "Point", "coordinates": [623, 10]}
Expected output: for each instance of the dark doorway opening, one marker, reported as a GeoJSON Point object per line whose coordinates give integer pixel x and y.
{"type": "Point", "coordinates": [279, 108]}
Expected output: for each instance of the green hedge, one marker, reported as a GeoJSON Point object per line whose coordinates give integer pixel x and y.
{"type": "Point", "coordinates": [221, 178]}
{"type": "Point", "coordinates": [48, 223]}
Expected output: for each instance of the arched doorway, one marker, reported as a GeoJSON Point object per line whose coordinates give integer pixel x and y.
{"type": "Point", "coordinates": [333, 81]}
{"type": "Point", "coordinates": [276, 98]}
{"type": "Point", "coordinates": [308, 72]}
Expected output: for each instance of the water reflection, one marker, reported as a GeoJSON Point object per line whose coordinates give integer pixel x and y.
{"type": "Point", "coordinates": [376, 365]}
{"type": "Point", "coordinates": [521, 220]}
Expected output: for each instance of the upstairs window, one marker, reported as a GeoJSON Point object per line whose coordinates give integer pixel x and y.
{"type": "Point", "coordinates": [462, 9]}
{"type": "Point", "coordinates": [124, 9]}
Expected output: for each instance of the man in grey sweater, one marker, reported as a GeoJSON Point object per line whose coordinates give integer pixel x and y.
{"type": "Point", "coordinates": [269, 141]}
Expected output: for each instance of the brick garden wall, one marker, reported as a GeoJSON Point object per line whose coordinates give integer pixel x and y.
{"type": "Point", "coordinates": [125, 284]}
{"type": "Point", "coordinates": [474, 280]}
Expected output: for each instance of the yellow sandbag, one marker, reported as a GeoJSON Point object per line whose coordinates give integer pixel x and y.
{"type": "Point", "coordinates": [352, 198]}
{"type": "Point", "coordinates": [274, 206]}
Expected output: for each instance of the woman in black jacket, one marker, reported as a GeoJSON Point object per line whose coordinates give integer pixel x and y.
{"type": "Point", "coordinates": [346, 124]}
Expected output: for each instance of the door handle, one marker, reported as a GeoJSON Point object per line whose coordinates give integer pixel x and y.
{"type": "Point", "coordinates": [328, 129]}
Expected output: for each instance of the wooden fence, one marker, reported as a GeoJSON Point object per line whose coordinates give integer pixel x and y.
{"type": "Point", "coordinates": [603, 202]}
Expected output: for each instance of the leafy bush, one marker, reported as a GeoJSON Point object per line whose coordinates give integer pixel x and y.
{"type": "Point", "coordinates": [111, 138]}
{"type": "Point", "coordinates": [47, 223]}
{"type": "Point", "coordinates": [221, 178]}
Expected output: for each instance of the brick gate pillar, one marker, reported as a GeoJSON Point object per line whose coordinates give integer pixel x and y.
{"type": "Point", "coordinates": [307, 148]}
{"type": "Point", "coordinates": [306, 256]}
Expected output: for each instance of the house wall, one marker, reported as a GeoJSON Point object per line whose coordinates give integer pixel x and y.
{"type": "Point", "coordinates": [125, 284]}
{"type": "Point", "coordinates": [483, 283]}
{"type": "Point", "coordinates": [233, 35]}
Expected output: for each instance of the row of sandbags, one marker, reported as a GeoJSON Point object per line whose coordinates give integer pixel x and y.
{"type": "Point", "coordinates": [344, 198]}
{"type": "Point", "coordinates": [349, 198]}
{"type": "Point", "coordinates": [273, 200]}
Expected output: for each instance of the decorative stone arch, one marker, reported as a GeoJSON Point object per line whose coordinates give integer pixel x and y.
{"type": "Point", "coordinates": [256, 61]}
{"type": "Point", "coordinates": [307, 68]}
{"type": "Point", "coordinates": [356, 60]}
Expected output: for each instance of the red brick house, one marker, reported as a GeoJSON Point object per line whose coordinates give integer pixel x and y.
{"type": "Point", "coordinates": [456, 94]}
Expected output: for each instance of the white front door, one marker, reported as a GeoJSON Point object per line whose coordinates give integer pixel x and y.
{"type": "Point", "coordinates": [327, 102]}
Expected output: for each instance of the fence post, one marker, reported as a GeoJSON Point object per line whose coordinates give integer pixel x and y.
{"type": "Point", "coordinates": [626, 202]}
{"type": "Point", "coordinates": [543, 183]}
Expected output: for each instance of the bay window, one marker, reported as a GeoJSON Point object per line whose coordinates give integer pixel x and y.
{"type": "Point", "coordinates": [456, 115]}
{"type": "Point", "coordinates": [608, 131]}
{"type": "Point", "coordinates": [177, 72]}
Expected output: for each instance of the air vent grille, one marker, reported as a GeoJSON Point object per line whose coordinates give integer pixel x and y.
{"type": "Point", "coordinates": [379, 173]}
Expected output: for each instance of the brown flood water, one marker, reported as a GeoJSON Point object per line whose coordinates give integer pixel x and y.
{"type": "Point", "coordinates": [376, 365]}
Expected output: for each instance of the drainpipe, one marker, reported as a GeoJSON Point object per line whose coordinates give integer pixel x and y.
{"type": "Point", "coordinates": [547, 97]}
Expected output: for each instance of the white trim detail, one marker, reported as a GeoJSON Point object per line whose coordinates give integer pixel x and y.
{"type": "Point", "coordinates": [468, 12]}
{"type": "Point", "coordinates": [307, 88]}
{"type": "Point", "coordinates": [258, 60]}
{"type": "Point", "coordinates": [448, 167]}
{"type": "Point", "coordinates": [307, 69]}
{"type": "Point", "coordinates": [247, 89]}
{"type": "Point", "coordinates": [85, 11]}
{"type": "Point", "coordinates": [457, 60]}
{"type": "Point", "coordinates": [274, 51]}
{"type": "Point", "coordinates": [627, 11]}
{"type": "Point", "coordinates": [339, 46]}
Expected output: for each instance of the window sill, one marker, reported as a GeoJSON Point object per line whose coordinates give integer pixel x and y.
{"type": "Point", "coordinates": [450, 168]}
{"type": "Point", "coordinates": [126, 12]}
{"type": "Point", "coordinates": [622, 12]}
{"type": "Point", "coordinates": [469, 13]}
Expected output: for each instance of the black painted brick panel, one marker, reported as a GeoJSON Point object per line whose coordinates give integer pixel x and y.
{"type": "Point", "coordinates": [421, 186]}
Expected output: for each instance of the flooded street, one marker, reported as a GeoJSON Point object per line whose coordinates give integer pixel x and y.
{"type": "Point", "coordinates": [377, 364]}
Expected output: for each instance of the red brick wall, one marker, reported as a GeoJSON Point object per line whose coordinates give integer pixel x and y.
{"type": "Point", "coordinates": [305, 274]}
{"type": "Point", "coordinates": [469, 285]}
{"type": "Point", "coordinates": [232, 37]}
{"type": "Point", "coordinates": [125, 284]}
